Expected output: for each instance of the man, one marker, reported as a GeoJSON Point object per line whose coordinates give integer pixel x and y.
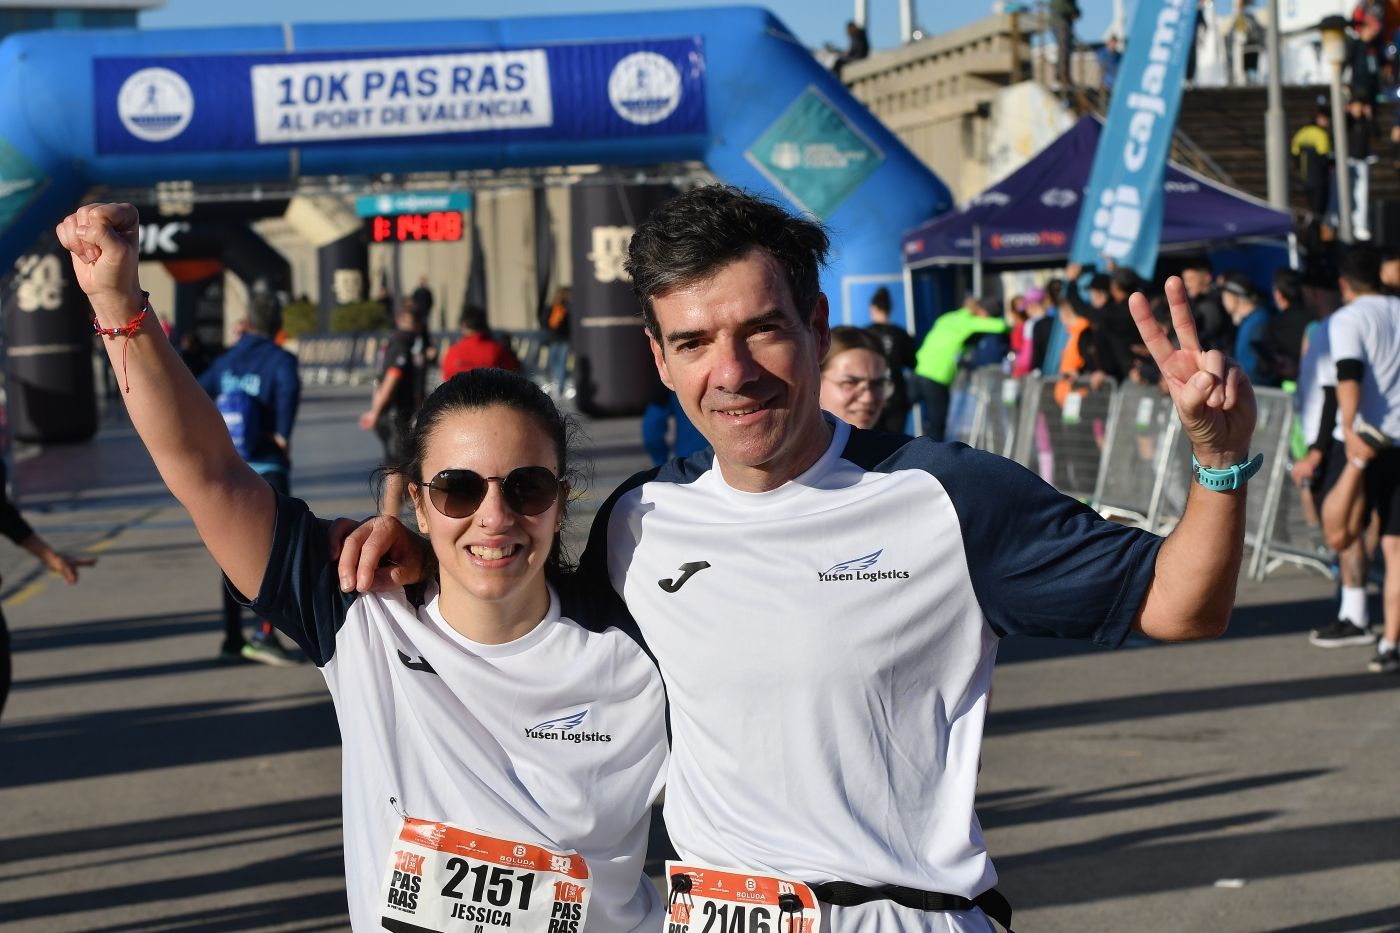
{"type": "Point", "coordinates": [1115, 338]}
{"type": "Point", "coordinates": [396, 400]}
{"type": "Point", "coordinates": [1288, 328]}
{"type": "Point", "coordinates": [1316, 400]}
{"type": "Point", "coordinates": [1312, 150]}
{"type": "Point", "coordinates": [423, 299]}
{"type": "Point", "coordinates": [478, 347]}
{"type": "Point", "coordinates": [257, 387]}
{"type": "Point", "coordinates": [1063, 13]}
{"type": "Point", "coordinates": [1365, 342]}
{"type": "Point", "coordinates": [897, 346]}
{"type": "Point", "coordinates": [857, 49]}
{"type": "Point", "coordinates": [1251, 321]}
{"type": "Point", "coordinates": [1390, 271]}
{"type": "Point", "coordinates": [1110, 57]}
{"type": "Point", "coordinates": [936, 363]}
{"type": "Point", "coordinates": [824, 603]}
{"type": "Point", "coordinates": [1212, 323]}
{"type": "Point", "coordinates": [1363, 61]}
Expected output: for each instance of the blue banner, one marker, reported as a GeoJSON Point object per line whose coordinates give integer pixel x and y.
{"type": "Point", "coordinates": [1122, 215]}
{"type": "Point", "coordinates": [579, 91]}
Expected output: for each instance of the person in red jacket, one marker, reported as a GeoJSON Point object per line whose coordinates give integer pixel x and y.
{"type": "Point", "coordinates": [477, 348]}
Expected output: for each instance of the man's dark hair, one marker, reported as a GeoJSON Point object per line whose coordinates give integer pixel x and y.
{"type": "Point", "coordinates": [1198, 264]}
{"type": "Point", "coordinates": [1289, 284]}
{"type": "Point", "coordinates": [1099, 283]}
{"type": "Point", "coordinates": [474, 318]}
{"type": "Point", "coordinates": [1239, 283]}
{"type": "Point", "coordinates": [264, 315]}
{"type": "Point", "coordinates": [1126, 279]}
{"type": "Point", "coordinates": [1361, 266]}
{"type": "Point", "coordinates": [881, 299]}
{"type": "Point", "coordinates": [691, 237]}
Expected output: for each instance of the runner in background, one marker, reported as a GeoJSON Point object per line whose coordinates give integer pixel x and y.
{"type": "Point", "coordinates": [257, 388]}
{"type": "Point", "coordinates": [395, 401]}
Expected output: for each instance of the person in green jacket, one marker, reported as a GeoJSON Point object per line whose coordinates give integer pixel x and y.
{"type": "Point", "coordinates": [936, 365]}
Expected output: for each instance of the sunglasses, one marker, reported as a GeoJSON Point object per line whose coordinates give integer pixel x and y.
{"type": "Point", "coordinates": [528, 490]}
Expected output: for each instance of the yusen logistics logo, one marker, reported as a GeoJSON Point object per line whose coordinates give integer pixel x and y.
{"type": "Point", "coordinates": [565, 729]}
{"type": "Point", "coordinates": [861, 568]}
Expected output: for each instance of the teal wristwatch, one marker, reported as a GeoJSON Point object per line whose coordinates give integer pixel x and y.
{"type": "Point", "coordinates": [1229, 478]}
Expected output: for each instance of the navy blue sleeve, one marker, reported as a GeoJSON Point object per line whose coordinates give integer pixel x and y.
{"type": "Point", "coordinates": [1041, 563]}
{"type": "Point", "coordinates": [300, 592]}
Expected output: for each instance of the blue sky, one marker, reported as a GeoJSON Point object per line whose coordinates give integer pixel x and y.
{"type": "Point", "coordinates": [814, 21]}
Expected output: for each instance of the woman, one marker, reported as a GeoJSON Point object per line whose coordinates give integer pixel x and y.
{"type": "Point", "coordinates": [501, 752]}
{"type": "Point", "coordinates": [855, 377]}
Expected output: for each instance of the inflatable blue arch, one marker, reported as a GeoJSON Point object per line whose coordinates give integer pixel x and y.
{"type": "Point", "coordinates": [727, 87]}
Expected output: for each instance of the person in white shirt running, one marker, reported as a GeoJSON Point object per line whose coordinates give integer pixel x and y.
{"type": "Point", "coordinates": [502, 748]}
{"type": "Point", "coordinates": [825, 603]}
{"type": "Point", "coordinates": [1365, 343]}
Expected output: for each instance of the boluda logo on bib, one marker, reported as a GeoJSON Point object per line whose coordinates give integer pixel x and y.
{"type": "Point", "coordinates": [565, 729]}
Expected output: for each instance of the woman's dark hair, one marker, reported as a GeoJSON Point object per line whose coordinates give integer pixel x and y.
{"type": "Point", "coordinates": [476, 389]}
{"type": "Point", "coordinates": [845, 338]}
{"type": "Point", "coordinates": [881, 299]}
{"type": "Point", "coordinates": [1289, 284]}
{"type": "Point", "coordinates": [691, 237]}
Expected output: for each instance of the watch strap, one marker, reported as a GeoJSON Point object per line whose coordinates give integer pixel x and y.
{"type": "Point", "coordinates": [1221, 480]}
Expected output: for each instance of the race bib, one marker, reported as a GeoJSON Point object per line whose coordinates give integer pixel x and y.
{"type": "Point", "coordinates": [445, 879]}
{"type": "Point", "coordinates": [712, 900]}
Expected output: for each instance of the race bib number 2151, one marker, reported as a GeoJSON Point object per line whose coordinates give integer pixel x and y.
{"type": "Point", "coordinates": [445, 879]}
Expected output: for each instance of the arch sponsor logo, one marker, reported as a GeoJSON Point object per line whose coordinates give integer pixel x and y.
{"type": "Point", "coordinates": [155, 104]}
{"type": "Point", "coordinates": [644, 88]}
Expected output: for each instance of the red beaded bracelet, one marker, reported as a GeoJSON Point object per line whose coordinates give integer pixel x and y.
{"type": "Point", "coordinates": [127, 330]}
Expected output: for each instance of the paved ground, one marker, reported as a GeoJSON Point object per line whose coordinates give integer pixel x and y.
{"type": "Point", "coordinates": [1243, 785]}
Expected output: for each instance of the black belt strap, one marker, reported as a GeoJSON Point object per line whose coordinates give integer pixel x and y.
{"type": "Point", "coordinates": [848, 894]}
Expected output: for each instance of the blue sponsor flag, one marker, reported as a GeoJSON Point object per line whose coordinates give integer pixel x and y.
{"type": "Point", "coordinates": [1122, 215]}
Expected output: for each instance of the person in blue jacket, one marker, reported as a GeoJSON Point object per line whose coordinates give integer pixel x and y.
{"type": "Point", "coordinates": [1251, 316]}
{"type": "Point", "coordinates": [258, 389]}
{"type": "Point", "coordinates": [664, 409]}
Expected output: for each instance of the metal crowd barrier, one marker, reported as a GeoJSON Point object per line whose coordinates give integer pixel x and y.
{"type": "Point", "coordinates": [1122, 450]}
{"type": "Point", "coordinates": [1060, 431]}
{"type": "Point", "coordinates": [355, 358]}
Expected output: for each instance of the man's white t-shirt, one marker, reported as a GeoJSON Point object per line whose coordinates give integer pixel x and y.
{"type": "Point", "coordinates": [827, 647]}
{"type": "Point", "coordinates": [449, 728]}
{"type": "Point", "coordinates": [1368, 329]}
{"type": "Point", "coordinates": [1316, 372]}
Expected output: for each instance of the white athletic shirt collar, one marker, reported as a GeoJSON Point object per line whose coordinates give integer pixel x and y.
{"type": "Point", "coordinates": [537, 635]}
{"type": "Point", "coordinates": [807, 479]}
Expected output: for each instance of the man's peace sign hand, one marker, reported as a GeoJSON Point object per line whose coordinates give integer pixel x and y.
{"type": "Point", "coordinates": [1213, 398]}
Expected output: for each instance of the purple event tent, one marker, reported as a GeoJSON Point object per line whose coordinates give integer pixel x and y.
{"type": "Point", "coordinates": [1029, 217]}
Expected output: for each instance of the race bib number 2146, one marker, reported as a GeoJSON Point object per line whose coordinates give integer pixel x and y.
{"type": "Point", "coordinates": [712, 900]}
